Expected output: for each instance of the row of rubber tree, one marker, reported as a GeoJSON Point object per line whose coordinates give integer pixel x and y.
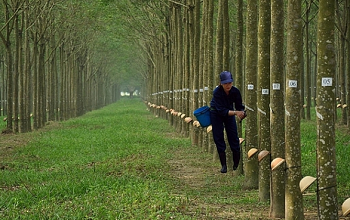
{"type": "Point", "coordinates": [57, 61]}
{"type": "Point", "coordinates": [284, 58]}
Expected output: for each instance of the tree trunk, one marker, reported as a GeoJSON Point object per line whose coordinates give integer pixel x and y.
{"type": "Point", "coordinates": [342, 77]}
{"type": "Point", "coordinates": [9, 87]}
{"type": "Point", "coordinates": [63, 80]}
{"type": "Point", "coordinates": [16, 64]}
{"type": "Point", "coordinates": [203, 140]}
{"type": "Point", "coordinates": [81, 65]}
{"type": "Point", "coordinates": [3, 88]}
{"type": "Point", "coordinates": [308, 61]}
{"type": "Point", "coordinates": [28, 78]}
{"type": "Point", "coordinates": [342, 16]}
{"type": "Point", "coordinates": [226, 36]}
{"type": "Point", "coordinates": [52, 84]}
{"type": "Point", "coordinates": [294, 200]}
{"type": "Point", "coordinates": [209, 62]}
{"type": "Point", "coordinates": [251, 169]}
{"type": "Point", "coordinates": [347, 2]}
{"type": "Point", "coordinates": [325, 110]}
{"type": "Point", "coordinates": [277, 203]}
{"type": "Point", "coordinates": [195, 50]}
{"type": "Point", "coordinates": [22, 76]}
{"type": "Point", "coordinates": [219, 58]}
{"type": "Point", "coordinates": [179, 65]}
{"type": "Point", "coordinates": [9, 75]}
{"type": "Point", "coordinates": [42, 85]}
{"type": "Point", "coordinates": [263, 96]}
{"type": "Point", "coordinates": [35, 83]}
{"type": "Point", "coordinates": [239, 73]}
{"type": "Point", "coordinates": [186, 72]}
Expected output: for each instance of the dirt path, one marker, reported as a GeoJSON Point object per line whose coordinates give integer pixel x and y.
{"type": "Point", "coordinates": [215, 195]}
{"type": "Point", "coordinates": [209, 193]}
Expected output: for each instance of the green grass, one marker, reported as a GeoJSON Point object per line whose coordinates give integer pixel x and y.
{"type": "Point", "coordinates": [108, 164]}
{"type": "Point", "coordinates": [118, 163]}
{"type": "Point", "coordinates": [2, 123]}
{"type": "Point", "coordinates": [308, 147]}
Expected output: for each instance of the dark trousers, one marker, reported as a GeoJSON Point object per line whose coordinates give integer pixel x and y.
{"type": "Point", "coordinates": [219, 123]}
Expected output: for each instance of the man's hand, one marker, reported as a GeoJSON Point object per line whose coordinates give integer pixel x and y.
{"type": "Point", "coordinates": [241, 115]}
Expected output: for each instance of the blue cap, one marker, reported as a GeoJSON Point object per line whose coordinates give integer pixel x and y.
{"type": "Point", "coordinates": [225, 77]}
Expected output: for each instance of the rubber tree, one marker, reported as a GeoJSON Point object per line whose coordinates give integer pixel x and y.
{"type": "Point", "coordinates": [294, 58]}
{"type": "Point", "coordinates": [325, 111]}
{"type": "Point", "coordinates": [203, 70]}
{"type": "Point", "coordinates": [18, 66]}
{"type": "Point", "coordinates": [186, 73]}
{"type": "Point", "coordinates": [226, 35]}
{"type": "Point", "coordinates": [195, 31]}
{"type": "Point", "coordinates": [277, 203]}
{"type": "Point", "coordinates": [348, 65]}
{"type": "Point", "coordinates": [239, 73]}
{"type": "Point", "coordinates": [209, 60]}
{"type": "Point", "coordinates": [3, 83]}
{"type": "Point", "coordinates": [178, 63]}
{"type": "Point", "coordinates": [26, 96]}
{"type": "Point", "coordinates": [263, 93]}
{"type": "Point", "coordinates": [200, 27]}
{"type": "Point", "coordinates": [308, 4]}
{"type": "Point", "coordinates": [342, 17]}
{"type": "Point", "coordinates": [251, 168]}
{"type": "Point", "coordinates": [6, 40]}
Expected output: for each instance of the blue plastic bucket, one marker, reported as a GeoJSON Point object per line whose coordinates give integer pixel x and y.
{"type": "Point", "coordinates": [203, 115]}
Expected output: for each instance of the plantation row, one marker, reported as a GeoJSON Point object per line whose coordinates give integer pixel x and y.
{"type": "Point", "coordinates": [274, 66]}
{"type": "Point", "coordinates": [201, 136]}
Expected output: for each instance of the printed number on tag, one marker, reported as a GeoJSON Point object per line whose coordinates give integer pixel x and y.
{"type": "Point", "coordinates": [327, 81]}
{"type": "Point", "coordinates": [276, 86]}
{"type": "Point", "coordinates": [250, 86]}
{"type": "Point", "coordinates": [265, 91]}
{"type": "Point", "coordinates": [293, 83]}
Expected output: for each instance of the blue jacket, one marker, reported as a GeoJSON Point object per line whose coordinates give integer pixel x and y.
{"type": "Point", "coordinates": [222, 103]}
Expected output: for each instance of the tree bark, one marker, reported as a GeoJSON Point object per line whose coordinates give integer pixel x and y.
{"type": "Point", "coordinates": [277, 203]}
{"type": "Point", "coordinates": [239, 73]}
{"type": "Point", "coordinates": [6, 39]}
{"type": "Point", "coordinates": [325, 110]}
{"type": "Point", "coordinates": [347, 2]}
{"type": "Point", "coordinates": [226, 36]}
{"type": "Point", "coordinates": [219, 59]}
{"type": "Point", "coordinates": [195, 50]}
{"type": "Point", "coordinates": [251, 168]}
{"type": "Point", "coordinates": [264, 96]}
{"type": "Point", "coordinates": [16, 64]}
{"type": "Point", "coordinates": [308, 61]}
{"type": "Point", "coordinates": [294, 200]}
{"type": "Point", "coordinates": [209, 62]}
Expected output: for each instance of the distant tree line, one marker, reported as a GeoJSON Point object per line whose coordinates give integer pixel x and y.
{"type": "Point", "coordinates": [58, 60]}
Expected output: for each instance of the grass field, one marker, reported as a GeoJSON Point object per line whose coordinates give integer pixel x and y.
{"type": "Point", "coordinates": [121, 162]}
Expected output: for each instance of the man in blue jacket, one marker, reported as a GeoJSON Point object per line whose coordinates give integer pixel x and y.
{"type": "Point", "coordinates": [224, 106]}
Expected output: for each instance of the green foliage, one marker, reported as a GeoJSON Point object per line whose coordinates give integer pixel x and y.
{"type": "Point", "coordinates": [119, 42]}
